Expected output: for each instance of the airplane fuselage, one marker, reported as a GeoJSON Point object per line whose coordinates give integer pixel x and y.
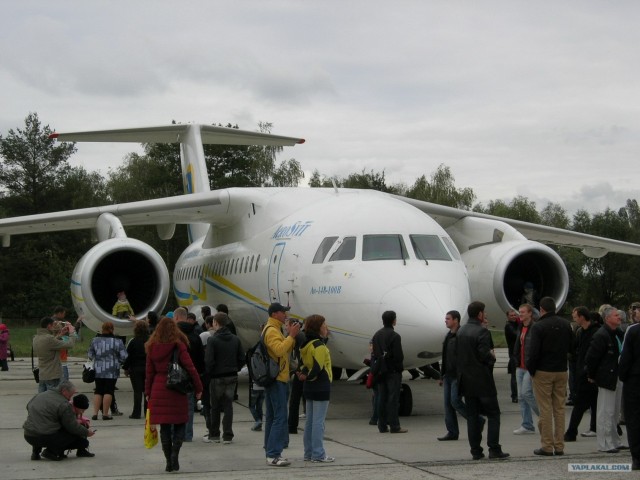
{"type": "Point", "coordinates": [347, 256]}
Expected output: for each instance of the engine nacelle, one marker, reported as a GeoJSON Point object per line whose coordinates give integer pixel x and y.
{"type": "Point", "coordinates": [500, 261]}
{"type": "Point", "coordinates": [111, 266]}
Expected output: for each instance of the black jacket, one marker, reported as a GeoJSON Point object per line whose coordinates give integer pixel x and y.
{"type": "Point", "coordinates": [511, 336]}
{"type": "Point", "coordinates": [549, 344]}
{"type": "Point", "coordinates": [224, 355]}
{"type": "Point", "coordinates": [583, 342]}
{"type": "Point", "coordinates": [196, 350]}
{"type": "Point", "coordinates": [629, 366]}
{"type": "Point", "coordinates": [475, 360]}
{"type": "Point", "coordinates": [136, 355]}
{"type": "Point", "coordinates": [449, 355]}
{"type": "Point", "coordinates": [387, 344]}
{"type": "Point", "coordinates": [517, 348]}
{"type": "Point", "coordinates": [602, 357]}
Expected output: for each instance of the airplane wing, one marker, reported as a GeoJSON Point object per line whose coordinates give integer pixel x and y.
{"type": "Point", "coordinates": [208, 207]}
{"type": "Point", "coordinates": [591, 245]}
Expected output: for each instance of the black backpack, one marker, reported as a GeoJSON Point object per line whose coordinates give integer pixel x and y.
{"type": "Point", "coordinates": [263, 370]}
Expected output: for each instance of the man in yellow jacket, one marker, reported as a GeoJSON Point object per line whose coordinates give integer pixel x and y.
{"type": "Point", "coordinates": [279, 348]}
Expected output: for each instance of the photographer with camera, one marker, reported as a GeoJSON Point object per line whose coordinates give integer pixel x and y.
{"type": "Point", "coordinates": [47, 345]}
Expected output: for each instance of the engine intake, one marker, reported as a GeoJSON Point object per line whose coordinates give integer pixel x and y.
{"type": "Point", "coordinates": [114, 265]}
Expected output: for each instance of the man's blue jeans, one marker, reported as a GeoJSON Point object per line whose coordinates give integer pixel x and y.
{"type": "Point", "coordinates": [45, 385]}
{"type": "Point", "coordinates": [276, 431]}
{"type": "Point", "coordinates": [452, 403]}
{"type": "Point", "coordinates": [314, 429]}
{"type": "Point", "coordinates": [526, 399]}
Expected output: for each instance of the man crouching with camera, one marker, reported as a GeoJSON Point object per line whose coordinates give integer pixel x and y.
{"type": "Point", "coordinates": [51, 424]}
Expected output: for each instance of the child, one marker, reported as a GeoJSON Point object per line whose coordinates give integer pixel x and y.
{"type": "Point", "coordinates": [80, 403]}
{"type": "Point", "coordinates": [122, 308]}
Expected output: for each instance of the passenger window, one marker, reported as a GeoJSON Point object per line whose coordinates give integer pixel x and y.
{"type": "Point", "coordinates": [323, 249]}
{"type": "Point", "coordinates": [429, 247]}
{"type": "Point", "coordinates": [383, 247]}
{"type": "Point", "coordinates": [346, 251]}
{"type": "Point", "coordinates": [257, 262]}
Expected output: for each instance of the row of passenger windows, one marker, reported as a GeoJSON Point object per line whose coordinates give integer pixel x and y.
{"type": "Point", "coordinates": [231, 266]}
{"type": "Point", "coordinates": [387, 247]}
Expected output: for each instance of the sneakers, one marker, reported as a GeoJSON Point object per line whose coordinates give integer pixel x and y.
{"type": "Point", "coordinates": [206, 439]}
{"type": "Point", "coordinates": [278, 462]}
{"type": "Point", "coordinates": [226, 442]}
{"type": "Point", "coordinates": [325, 459]}
{"type": "Point", "coordinates": [589, 433]}
{"type": "Point", "coordinates": [257, 427]}
{"type": "Point", "coordinates": [523, 431]}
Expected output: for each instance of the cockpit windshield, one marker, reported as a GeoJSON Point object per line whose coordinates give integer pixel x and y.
{"type": "Point", "coordinates": [383, 247]}
{"type": "Point", "coordinates": [346, 251]}
{"type": "Point", "coordinates": [323, 249]}
{"type": "Point", "coordinates": [429, 247]}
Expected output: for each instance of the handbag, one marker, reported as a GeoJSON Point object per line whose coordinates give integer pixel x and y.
{"type": "Point", "coordinates": [178, 379]}
{"type": "Point", "coordinates": [34, 369]}
{"type": "Point", "coordinates": [88, 372]}
{"type": "Point", "coordinates": [150, 432]}
{"type": "Point", "coordinates": [371, 380]}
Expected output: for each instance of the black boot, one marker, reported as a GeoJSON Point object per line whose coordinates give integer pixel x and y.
{"type": "Point", "coordinates": [175, 452]}
{"type": "Point", "coordinates": [166, 449]}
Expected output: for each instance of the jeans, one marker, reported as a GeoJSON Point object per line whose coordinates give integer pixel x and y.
{"type": "Point", "coordinates": [314, 429]}
{"type": "Point", "coordinates": [45, 385]}
{"type": "Point", "coordinates": [389, 391]}
{"type": "Point", "coordinates": [489, 407]}
{"type": "Point", "coordinates": [586, 399]}
{"type": "Point", "coordinates": [188, 432]}
{"type": "Point", "coordinates": [221, 391]}
{"type": "Point", "coordinates": [276, 433]}
{"type": "Point", "coordinates": [256, 400]}
{"type": "Point", "coordinates": [526, 398]}
{"type": "Point", "coordinates": [452, 403]}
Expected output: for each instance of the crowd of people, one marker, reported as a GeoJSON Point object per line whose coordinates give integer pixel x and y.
{"type": "Point", "coordinates": [592, 364]}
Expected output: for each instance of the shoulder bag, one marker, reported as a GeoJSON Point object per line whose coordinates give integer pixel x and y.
{"type": "Point", "coordinates": [178, 379]}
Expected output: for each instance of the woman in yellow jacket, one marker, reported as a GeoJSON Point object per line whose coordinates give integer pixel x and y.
{"type": "Point", "coordinates": [317, 377]}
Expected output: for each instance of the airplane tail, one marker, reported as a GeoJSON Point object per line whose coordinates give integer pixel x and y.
{"type": "Point", "coordinates": [191, 138]}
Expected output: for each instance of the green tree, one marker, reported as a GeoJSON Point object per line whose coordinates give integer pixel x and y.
{"type": "Point", "coordinates": [31, 163]}
{"type": "Point", "coordinates": [441, 189]}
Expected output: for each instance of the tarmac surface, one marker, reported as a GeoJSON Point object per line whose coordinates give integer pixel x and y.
{"type": "Point", "coordinates": [361, 452]}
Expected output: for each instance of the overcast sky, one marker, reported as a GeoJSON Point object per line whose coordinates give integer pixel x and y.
{"type": "Point", "coordinates": [540, 99]}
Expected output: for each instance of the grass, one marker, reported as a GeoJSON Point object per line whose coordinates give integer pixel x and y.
{"type": "Point", "coordinates": [20, 340]}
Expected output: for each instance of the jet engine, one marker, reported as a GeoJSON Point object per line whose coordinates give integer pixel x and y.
{"type": "Point", "coordinates": [500, 261]}
{"type": "Point", "coordinates": [114, 265]}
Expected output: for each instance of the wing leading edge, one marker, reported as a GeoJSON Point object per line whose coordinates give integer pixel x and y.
{"type": "Point", "coordinates": [591, 245]}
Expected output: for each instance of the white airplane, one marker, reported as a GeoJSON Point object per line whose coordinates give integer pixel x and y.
{"type": "Point", "coordinates": [346, 254]}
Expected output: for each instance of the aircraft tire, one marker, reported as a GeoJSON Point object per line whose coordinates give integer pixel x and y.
{"type": "Point", "coordinates": [406, 401]}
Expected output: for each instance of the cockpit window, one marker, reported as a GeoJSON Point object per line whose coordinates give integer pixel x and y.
{"type": "Point", "coordinates": [383, 247]}
{"type": "Point", "coordinates": [452, 247]}
{"type": "Point", "coordinates": [323, 249]}
{"type": "Point", "coordinates": [346, 251]}
{"type": "Point", "coordinates": [429, 247]}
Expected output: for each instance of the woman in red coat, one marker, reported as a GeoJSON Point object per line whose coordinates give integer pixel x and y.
{"type": "Point", "coordinates": [167, 407]}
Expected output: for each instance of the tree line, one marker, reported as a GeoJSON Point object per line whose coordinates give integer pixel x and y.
{"type": "Point", "coordinates": [36, 177]}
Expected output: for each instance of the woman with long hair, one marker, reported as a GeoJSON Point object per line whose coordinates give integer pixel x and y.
{"type": "Point", "coordinates": [168, 408]}
{"type": "Point", "coordinates": [135, 367]}
{"type": "Point", "coordinates": [107, 352]}
{"type": "Point", "coordinates": [317, 376]}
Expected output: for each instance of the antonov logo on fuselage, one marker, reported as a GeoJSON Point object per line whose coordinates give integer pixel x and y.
{"type": "Point", "coordinates": [288, 231]}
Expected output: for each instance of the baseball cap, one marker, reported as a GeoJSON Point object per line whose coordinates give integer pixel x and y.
{"type": "Point", "coordinates": [277, 307]}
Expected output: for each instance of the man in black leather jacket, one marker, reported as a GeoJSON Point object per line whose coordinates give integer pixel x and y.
{"type": "Point", "coordinates": [602, 369]}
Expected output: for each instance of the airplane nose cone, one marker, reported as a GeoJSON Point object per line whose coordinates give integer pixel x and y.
{"type": "Point", "coordinates": [420, 308]}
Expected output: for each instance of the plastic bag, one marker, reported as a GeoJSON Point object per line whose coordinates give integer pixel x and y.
{"type": "Point", "coordinates": [150, 432]}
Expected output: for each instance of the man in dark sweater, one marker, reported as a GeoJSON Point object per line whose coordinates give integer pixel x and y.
{"type": "Point", "coordinates": [224, 357]}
